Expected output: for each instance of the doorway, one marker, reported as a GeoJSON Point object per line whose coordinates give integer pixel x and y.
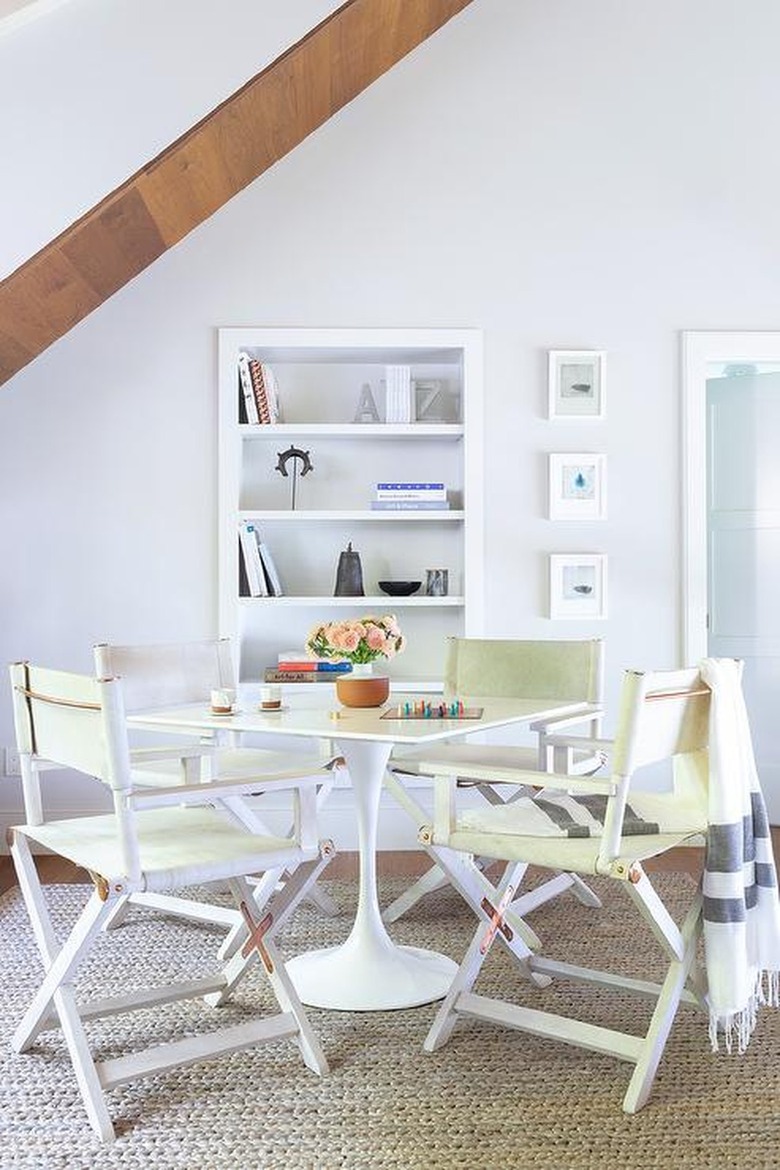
{"type": "Point", "coordinates": [731, 573]}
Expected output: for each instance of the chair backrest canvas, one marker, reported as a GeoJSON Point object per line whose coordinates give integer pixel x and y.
{"type": "Point", "coordinates": [519, 669]}
{"type": "Point", "coordinates": [72, 720]}
{"type": "Point", "coordinates": [662, 714]}
{"type": "Point", "coordinates": [166, 674]}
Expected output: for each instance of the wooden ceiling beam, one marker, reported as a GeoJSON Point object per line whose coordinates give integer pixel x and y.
{"type": "Point", "coordinates": [234, 144]}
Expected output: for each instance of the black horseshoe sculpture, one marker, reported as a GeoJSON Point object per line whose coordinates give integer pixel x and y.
{"type": "Point", "coordinates": [294, 453]}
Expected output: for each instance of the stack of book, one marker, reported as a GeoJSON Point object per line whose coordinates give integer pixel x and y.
{"type": "Point", "coordinates": [262, 578]}
{"type": "Point", "coordinates": [410, 496]}
{"type": "Point", "coordinates": [260, 390]}
{"type": "Point", "coordinates": [398, 400]}
{"type": "Point", "coordinates": [296, 667]}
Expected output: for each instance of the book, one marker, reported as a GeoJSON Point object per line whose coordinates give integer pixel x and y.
{"type": "Point", "coordinates": [410, 487]}
{"type": "Point", "coordinates": [247, 390]}
{"type": "Point", "coordinates": [272, 392]}
{"type": "Point", "coordinates": [314, 664]}
{"type": "Point", "coordinates": [410, 505]}
{"type": "Point", "coordinates": [259, 390]}
{"type": "Point", "coordinates": [398, 394]}
{"type": "Point", "coordinates": [273, 675]}
{"type": "Point", "coordinates": [250, 554]}
{"type": "Point", "coordinates": [272, 575]}
{"type": "Point", "coordinates": [411, 491]}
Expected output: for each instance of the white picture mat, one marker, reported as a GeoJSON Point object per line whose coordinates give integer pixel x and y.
{"type": "Point", "coordinates": [578, 585]}
{"type": "Point", "coordinates": [577, 383]}
{"type": "Point", "coordinates": [577, 486]}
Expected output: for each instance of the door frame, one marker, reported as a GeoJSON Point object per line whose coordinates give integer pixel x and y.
{"type": "Point", "coordinates": [698, 350]}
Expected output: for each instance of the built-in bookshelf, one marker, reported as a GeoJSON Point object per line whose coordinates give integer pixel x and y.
{"type": "Point", "coordinates": [322, 381]}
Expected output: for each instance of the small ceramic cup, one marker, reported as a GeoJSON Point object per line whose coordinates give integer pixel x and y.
{"type": "Point", "coordinates": [270, 697]}
{"type": "Point", "coordinates": [223, 700]}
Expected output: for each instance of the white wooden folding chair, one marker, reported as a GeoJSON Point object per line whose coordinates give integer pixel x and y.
{"type": "Point", "coordinates": [591, 826]}
{"type": "Point", "coordinates": [169, 674]}
{"type": "Point", "coordinates": [510, 668]}
{"type": "Point", "coordinates": [157, 839]}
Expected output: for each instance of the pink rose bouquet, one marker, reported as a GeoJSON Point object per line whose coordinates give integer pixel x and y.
{"type": "Point", "coordinates": [358, 640]}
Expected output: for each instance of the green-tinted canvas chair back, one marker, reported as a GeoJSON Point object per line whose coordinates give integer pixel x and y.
{"type": "Point", "coordinates": [517, 668]}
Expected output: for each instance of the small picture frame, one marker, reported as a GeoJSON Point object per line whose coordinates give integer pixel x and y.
{"type": "Point", "coordinates": [578, 585]}
{"type": "Point", "coordinates": [577, 486]}
{"type": "Point", "coordinates": [577, 383]}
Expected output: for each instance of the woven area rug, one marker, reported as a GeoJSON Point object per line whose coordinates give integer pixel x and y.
{"type": "Point", "coordinates": [489, 1100]}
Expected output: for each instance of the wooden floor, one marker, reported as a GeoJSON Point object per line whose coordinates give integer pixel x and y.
{"type": "Point", "coordinates": [389, 864]}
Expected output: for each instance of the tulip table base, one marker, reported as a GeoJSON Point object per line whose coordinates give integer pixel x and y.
{"type": "Point", "coordinates": [369, 972]}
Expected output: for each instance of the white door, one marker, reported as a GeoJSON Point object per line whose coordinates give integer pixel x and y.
{"type": "Point", "coordinates": [733, 526]}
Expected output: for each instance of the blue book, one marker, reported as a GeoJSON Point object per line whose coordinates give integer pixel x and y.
{"type": "Point", "coordinates": [410, 487]}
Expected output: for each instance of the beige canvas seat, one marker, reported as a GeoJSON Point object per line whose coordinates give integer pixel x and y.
{"type": "Point", "coordinates": [609, 827]}
{"type": "Point", "coordinates": [509, 668]}
{"type": "Point", "coordinates": [154, 840]}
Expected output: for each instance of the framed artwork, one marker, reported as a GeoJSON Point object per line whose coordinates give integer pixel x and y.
{"type": "Point", "coordinates": [577, 383]}
{"type": "Point", "coordinates": [578, 585]}
{"type": "Point", "coordinates": [578, 487]}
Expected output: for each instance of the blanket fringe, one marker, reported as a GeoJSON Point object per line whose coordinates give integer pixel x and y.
{"type": "Point", "coordinates": [740, 1025]}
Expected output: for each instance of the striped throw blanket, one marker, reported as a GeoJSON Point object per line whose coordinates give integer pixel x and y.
{"type": "Point", "coordinates": [741, 909]}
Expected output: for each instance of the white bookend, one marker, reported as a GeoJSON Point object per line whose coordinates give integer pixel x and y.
{"type": "Point", "coordinates": [274, 583]}
{"type": "Point", "coordinates": [250, 406]}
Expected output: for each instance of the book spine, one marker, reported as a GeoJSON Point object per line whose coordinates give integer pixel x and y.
{"type": "Point", "coordinates": [274, 582]}
{"type": "Point", "coordinates": [272, 393]}
{"type": "Point", "coordinates": [410, 487]}
{"type": "Point", "coordinates": [308, 676]}
{"type": "Point", "coordinates": [326, 667]}
{"type": "Point", "coordinates": [259, 391]}
{"type": "Point", "coordinates": [424, 497]}
{"type": "Point", "coordinates": [245, 378]}
{"type": "Point", "coordinates": [251, 558]}
{"type": "Point", "coordinates": [410, 505]}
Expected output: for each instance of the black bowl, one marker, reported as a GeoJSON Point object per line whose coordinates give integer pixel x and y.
{"type": "Point", "coordinates": [400, 588]}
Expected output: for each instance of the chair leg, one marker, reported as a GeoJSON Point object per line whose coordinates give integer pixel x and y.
{"type": "Point", "coordinates": [663, 1017]}
{"type": "Point", "coordinates": [286, 995]}
{"type": "Point", "coordinates": [281, 907]}
{"type": "Point", "coordinates": [466, 975]}
{"type": "Point", "coordinates": [60, 966]}
{"type": "Point", "coordinates": [433, 879]}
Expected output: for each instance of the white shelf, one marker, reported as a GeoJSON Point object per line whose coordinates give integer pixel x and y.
{"type": "Point", "coordinates": [355, 514]}
{"type": "Point", "coordinates": [449, 431]}
{"type": "Point", "coordinates": [375, 601]}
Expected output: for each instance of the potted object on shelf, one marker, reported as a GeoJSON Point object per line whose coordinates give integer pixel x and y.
{"type": "Point", "coordinates": [360, 641]}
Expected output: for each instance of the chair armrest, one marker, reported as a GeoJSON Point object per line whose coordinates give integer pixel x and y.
{"type": "Point", "coordinates": [146, 755]}
{"type": "Point", "coordinates": [214, 791]}
{"type": "Point", "coordinates": [587, 715]}
{"type": "Point", "coordinates": [584, 742]}
{"type": "Point", "coordinates": [522, 777]}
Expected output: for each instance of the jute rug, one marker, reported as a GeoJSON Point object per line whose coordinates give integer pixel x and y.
{"type": "Point", "coordinates": [490, 1100]}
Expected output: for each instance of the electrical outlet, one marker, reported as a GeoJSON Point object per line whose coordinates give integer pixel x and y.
{"type": "Point", "coordinates": [12, 765]}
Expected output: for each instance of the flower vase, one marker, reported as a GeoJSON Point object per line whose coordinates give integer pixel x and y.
{"type": "Point", "coordinates": [361, 687]}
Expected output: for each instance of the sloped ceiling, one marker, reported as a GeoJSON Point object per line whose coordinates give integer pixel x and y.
{"type": "Point", "coordinates": [197, 174]}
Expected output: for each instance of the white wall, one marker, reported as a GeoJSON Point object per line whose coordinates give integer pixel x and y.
{"type": "Point", "coordinates": [563, 175]}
